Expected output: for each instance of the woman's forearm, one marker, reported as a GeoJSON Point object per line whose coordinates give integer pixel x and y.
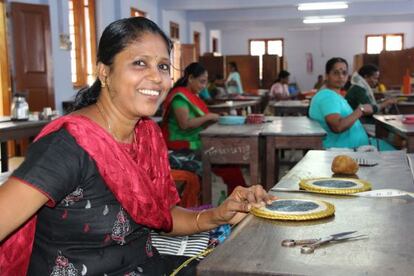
{"type": "Point", "coordinates": [340, 124]}
{"type": "Point", "coordinates": [186, 222]}
{"type": "Point", "coordinates": [194, 122]}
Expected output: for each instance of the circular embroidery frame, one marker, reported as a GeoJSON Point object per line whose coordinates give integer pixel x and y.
{"type": "Point", "coordinates": [359, 185]}
{"type": "Point", "coordinates": [323, 209]}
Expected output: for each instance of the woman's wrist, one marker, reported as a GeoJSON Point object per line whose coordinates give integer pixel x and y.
{"type": "Point", "coordinates": [208, 219]}
{"type": "Point", "coordinates": [361, 110]}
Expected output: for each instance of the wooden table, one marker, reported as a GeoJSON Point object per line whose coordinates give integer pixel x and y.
{"type": "Point", "coordinates": [254, 246]}
{"type": "Point", "coordinates": [288, 133]}
{"type": "Point", "coordinates": [234, 144]}
{"type": "Point", "coordinates": [393, 123]}
{"type": "Point", "coordinates": [403, 107]}
{"type": "Point", "coordinates": [14, 130]}
{"type": "Point", "coordinates": [290, 107]}
{"type": "Point", "coordinates": [234, 105]}
{"type": "Point", "coordinates": [240, 144]}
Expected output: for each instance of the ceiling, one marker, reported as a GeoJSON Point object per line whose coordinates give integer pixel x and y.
{"type": "Point", "coordinates": [242, 13]}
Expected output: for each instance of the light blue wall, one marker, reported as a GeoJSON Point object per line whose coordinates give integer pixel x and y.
{"type": "Point", "coordinates": [329, 41]}
{"type": "Point", "coordinates": [106, 12]}
{"type": "Point", "coordinates": [178, 17]}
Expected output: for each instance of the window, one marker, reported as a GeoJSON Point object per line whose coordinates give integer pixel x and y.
{"type": "Point", "coordinates": [138, 13]}
{"type": "Point", "coordinates": [260, 47]}
{"type": "Point", "coordinates": [83, 37]}
{"type": "Point", "coordinates": [388, 42]}
{"type": "Point", "coordinates": [174, 31]}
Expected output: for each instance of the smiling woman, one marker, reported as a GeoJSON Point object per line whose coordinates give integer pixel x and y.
{"type": "Point", "coordinates": [335, 115]}
{"type": "Point", "coordinates": [95, 182]}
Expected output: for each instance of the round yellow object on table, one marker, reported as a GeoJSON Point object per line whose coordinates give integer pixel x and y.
{"type": "Point", "coordinates": [340, 186]}
{"type": "Point", "coordinates": [295, 209]}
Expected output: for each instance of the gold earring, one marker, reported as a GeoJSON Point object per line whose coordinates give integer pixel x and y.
{"type": "Point", "coordinates": [103, 84]}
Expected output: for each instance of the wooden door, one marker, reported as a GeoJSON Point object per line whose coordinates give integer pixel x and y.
{"type": "Point", "coordinates": [5, 89]}
{"type": "Point", "coordinates": [188, 55]}
{"type": "Point", "coordinates": [393, 66]}
{"type": "Point", "coordinates": [214, 66]}
{"type": "Point", "coordinates": [270, 70]}
{"type": "Point", "coordinates": [32, 54]}
{"type": "Point", "coordinates": [363, 59]}
{"type": "Point", "coordinates": [248, 67]}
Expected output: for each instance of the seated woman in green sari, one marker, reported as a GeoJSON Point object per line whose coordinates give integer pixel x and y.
{"type": "Point", "coordinates": [185, 116]}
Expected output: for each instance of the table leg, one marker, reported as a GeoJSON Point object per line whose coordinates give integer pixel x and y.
{"type": "Point", "coordinates": [254, 167]}
{"type": "Point", "coordinates": [410, 144]}
{"type": "Point", "coordinates": [206, 181]}
{"type": "Point", "coordinates": [4, 157]}
{"type": "Point", "coordinates": [270, 163]}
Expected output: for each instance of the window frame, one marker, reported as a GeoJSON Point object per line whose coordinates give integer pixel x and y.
{"type": "Point", "coordinates": [174, 31]}
{"type": "Point", "coordinates": [266, 40]}
{"type": "Point", "coordinates": [80, 40]}
{"type": "Point", "coordinates": [384, 40]}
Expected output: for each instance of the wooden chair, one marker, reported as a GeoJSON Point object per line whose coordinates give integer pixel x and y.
{"type": "Point", "coordinates": [188, 186]}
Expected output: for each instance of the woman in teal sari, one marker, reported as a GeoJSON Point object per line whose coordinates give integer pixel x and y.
{"type": "Point", "coordinates": [335, 115]}
{"type": "Point", "coordinates": [185, 116]}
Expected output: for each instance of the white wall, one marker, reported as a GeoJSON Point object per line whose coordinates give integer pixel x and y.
{"type": "Point", "coordinates": [329, 41]}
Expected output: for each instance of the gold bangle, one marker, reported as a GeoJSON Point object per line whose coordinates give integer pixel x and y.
{"type": "Point", "coordinates": [198, 218]}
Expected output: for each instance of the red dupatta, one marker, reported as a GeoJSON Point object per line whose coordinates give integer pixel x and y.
{"type": "Point", "coordinates": [145, 188]}
{"type": "Point", "coordinates": [199, 106]}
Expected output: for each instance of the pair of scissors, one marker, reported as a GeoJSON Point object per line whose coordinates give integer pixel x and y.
{"type": "Point", "coordinates": [309, 245]}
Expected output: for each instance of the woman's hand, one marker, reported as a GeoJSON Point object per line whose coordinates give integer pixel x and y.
{"type": "Point", "coordinates": [239, 203]}
{"type": "Point", "coordinates": [366, 109]}
{"type": "Point", "coordinates": [212, 117]}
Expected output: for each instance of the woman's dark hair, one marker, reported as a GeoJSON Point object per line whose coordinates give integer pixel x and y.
{"type": "Point", "coordinates": [194, 69]}
{"type": "Point", "coordinates": [368, 70]}
{"type": "Point", "coordinates": [330, 63]}
{"type": "Point", "coordinates": [234, 65]}
{"type": "Point", "coordinates": [282, 75]}
{"type": "Point", "coordinates": [115, 38]}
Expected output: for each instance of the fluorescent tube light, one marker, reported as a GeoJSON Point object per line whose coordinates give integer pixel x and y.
{"type": "Point", "coordinates": [322, 6]}
{"type": "Point", "coordinates": [323, 19]}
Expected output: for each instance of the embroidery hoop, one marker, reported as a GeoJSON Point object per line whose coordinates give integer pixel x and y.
{"type": "Point", "coordinates": [360, 186]}
{"type": "Point", "coordinates": [324, 209]}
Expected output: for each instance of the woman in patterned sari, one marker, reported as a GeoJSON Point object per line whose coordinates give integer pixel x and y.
{"type": "Point", "coordinates": [95, 182]}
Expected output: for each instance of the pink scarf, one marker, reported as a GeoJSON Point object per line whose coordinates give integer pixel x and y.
{"type": "Point", "coordinates": [145, 188]}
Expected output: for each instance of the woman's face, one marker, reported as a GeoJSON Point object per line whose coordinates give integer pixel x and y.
{"type": "Point", "coordinates": [139, 77]}
{"type": "Point", "coordinates": [199, 83]}
{"type": "Point", "coordinates": [338, 75]}
{"type": "Point", "coordinates": [373, 79]}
